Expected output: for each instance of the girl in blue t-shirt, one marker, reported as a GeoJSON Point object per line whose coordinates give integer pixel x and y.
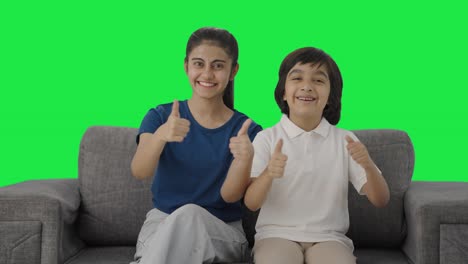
{"type": "Point", "coordinates": [199, 154]}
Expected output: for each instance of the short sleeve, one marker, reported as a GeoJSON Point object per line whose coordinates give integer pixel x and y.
{"type": "Point", "coordinates": [357, 175]}
{"type": "Point", "coordinates": [152, 121]}
{"type": "Point", "coordinates": [262, 153]}
{"type": "Point", "coordinates": [253, 130]}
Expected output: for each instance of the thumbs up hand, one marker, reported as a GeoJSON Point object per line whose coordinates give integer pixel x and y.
{"type": "Point", "coordinates": [240, 145]}
{"type": "Point", "coordinates": [275, 168]}
{"type": "Point", "coordinates": [359, 153]}
{"type": "Point", "coordinates": [175, 129]}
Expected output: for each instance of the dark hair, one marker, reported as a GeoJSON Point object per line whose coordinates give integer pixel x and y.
{"type": "Point", "coordinates": [223, 39]}
{"type": "Point", "coordinates": [306, 55]}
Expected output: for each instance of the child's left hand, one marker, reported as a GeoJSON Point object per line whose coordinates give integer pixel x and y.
{"type": "Point", "coordinates": [241, 147]}
{"type": "Point", "coordinates": [359, 153]}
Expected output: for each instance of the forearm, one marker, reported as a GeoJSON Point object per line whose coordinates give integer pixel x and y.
{"type": "Point", "coordinates": [257, 192]}
{"type": "Point", "coordinates": [147, 156]}
{"type": "Point", "coordinates": [376, 187]}
{"type": "Point", "coordinates": [237, 180]}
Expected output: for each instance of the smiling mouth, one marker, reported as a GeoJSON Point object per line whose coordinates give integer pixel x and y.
{"type": "Point", "coordinates": [306, 98]}
{"type": "Point", "coordinates": [206, 84]}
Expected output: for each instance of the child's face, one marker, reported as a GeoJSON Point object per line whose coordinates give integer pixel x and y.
{"type": "Point", "coordinates": [208, 68]}
{"type": "Point", "coordinates": [307, 89]}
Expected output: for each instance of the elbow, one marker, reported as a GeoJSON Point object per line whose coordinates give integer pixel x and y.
{"type": "Point", "coordinates": [229, 197]}
{"type": "Point", "coordinates": [138, 173]}
{"type": "Point", "coordinates": [251, 205]}
{"type": "Point", "coordinates": [382, 201]}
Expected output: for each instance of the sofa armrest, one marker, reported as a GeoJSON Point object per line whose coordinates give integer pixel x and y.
{"type": "Point", "coordinates": [37, 221]}
{"type": "Point", "coordinates": [437, 219]}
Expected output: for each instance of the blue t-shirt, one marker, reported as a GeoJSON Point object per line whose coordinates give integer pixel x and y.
{"type": "Point", "coordinates": [194, 170]}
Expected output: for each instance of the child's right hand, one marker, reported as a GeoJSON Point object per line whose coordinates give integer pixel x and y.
{"type": "Point", "coordinates": [277, 162]}
{"type": "Point", "coordinates": [175, 129]}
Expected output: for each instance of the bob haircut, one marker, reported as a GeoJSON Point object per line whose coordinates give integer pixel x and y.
{"type": "Point", "coordinates": [332, 110]}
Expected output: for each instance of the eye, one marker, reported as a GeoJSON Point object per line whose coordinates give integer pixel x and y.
{"type": "Point", "coordinates": [296, 78]}
{"type": "Point", "coordinates": [218, 66]}
{"type": "Point", "coordinates": [198, 64]}
{"type": "Point", "coordinates": [320, 81]}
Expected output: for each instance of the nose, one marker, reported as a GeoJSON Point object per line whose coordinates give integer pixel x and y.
{"type": "Point", "coordinates": [307, 87]}
{"type": "Point", "coordinates": [208, 72]}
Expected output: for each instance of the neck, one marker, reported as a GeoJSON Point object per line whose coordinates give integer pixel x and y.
{"type": "Point", "coordinates": [203, 107]}
{"type": "Point", "coordinates": [307, 123]}
{"type": "Point", "coordinates": [209, 113]}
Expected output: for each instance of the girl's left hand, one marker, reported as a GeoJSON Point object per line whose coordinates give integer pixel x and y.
{"type": "Point", "coordinates": [241, 147]}
{"type": "Point", "coordinates": [359, 153]}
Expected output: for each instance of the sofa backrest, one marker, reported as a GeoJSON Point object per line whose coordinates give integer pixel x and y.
{"type": "Point", "coordinates": [114, 204]}
{"type": "Point", "coordinates": [393, 153]}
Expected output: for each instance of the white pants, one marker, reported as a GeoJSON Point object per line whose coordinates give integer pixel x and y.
{"type": "Point", "coordinates": [190, 234]}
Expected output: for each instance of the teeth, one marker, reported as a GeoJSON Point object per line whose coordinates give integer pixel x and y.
{"type": "Point", "coordinates": [306, 98]}
{"type": "Point", "coordinates": [207, 84]}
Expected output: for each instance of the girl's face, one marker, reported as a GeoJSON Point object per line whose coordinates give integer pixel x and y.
{"type": "Point", "coordinates": [208, 68]}
{"type": "Point", "coordinates": [307, 89]}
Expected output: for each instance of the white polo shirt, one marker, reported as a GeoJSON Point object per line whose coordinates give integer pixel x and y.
{"type": "Point", "coordinates": [310, 202]}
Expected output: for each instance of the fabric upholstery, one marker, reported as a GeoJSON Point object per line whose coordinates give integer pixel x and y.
{"type": "Point", "coordinates": [380, 256]}
{"type": "Point", "coordinates": [425, 222]}
{"type": "Point", "coordinates": [428, 206]}
{"type": "Point", "coordinates": [54, 204]}
{"type": "Point", "coordinates": [393, 153]}
{"type": "Point", "coordinates": [113, 202]}
{"type": "Point", "coordinates": [103, 255]}
{"type": "Point", "coordinates": [21, 242]}
{"type": "Point", "coordinates": [453, 243]}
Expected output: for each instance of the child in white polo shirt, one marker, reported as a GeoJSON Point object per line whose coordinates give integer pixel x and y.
{"type": "Point", "coordinates": [302, 166]}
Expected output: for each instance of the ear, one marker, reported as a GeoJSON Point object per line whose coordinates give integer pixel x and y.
{"type": "Point", "coordinates": [234, 71]}
{"type": "Point", "coordinates": [186, 67]}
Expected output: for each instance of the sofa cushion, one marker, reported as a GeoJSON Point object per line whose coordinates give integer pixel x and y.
{"type": "Point", "coordinates": [380, 256]}
{"type": "Point", "coordinates": [104, 255]}
{"type": "Point", "coordinates": [393, 153]}
{"type": "Point", "coordinates": [114, 203]}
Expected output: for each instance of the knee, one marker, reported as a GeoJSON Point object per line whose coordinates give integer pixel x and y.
{"type": "Point", "coordinates": [276, 250]}
{"type": "Point", "coordinates": [189, 213]}
{"type": "Point", "coordinates": [330, 252]}
{"type": "Point", "coordinates": [189, 209]}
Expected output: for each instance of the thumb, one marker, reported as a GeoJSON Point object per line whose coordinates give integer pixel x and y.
{"type": "Point", "coordinates": [349, 139]}
{"type": "Point", "coordinates": [175, 109]}
{"type": "Point", "coordinates": [244, 128]}
{"type": "Point", "coordinates": [279, 146]}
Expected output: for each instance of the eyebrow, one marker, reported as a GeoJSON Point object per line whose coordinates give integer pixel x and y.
{"type": "Point", "coordinates": [211, 62]}
{"type": "Point", "coordinates": [320, 72]}
{"type": "Point", "coordinates": [324, 74]}
{"type": "Point", "coordinates": [295, 71]}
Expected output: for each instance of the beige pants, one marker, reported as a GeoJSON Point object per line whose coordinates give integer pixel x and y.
{"type": "Point", "coordinates": [281, 251]}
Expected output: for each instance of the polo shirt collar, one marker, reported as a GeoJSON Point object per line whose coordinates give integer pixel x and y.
{"type": "Point", "coordinates": [292, 130]}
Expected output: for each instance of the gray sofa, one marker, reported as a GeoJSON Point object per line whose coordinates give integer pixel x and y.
{"type": "Point", "coordinates": [96, 218]}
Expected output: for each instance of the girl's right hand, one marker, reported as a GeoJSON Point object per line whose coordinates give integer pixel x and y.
{"type": "Point", "coordinates": [277, 162]}
{"type": "Point", "coordinates": [175, 129]}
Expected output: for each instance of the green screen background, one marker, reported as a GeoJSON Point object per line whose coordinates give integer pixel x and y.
{"type": "Point", "coordinates": [68, 65]}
